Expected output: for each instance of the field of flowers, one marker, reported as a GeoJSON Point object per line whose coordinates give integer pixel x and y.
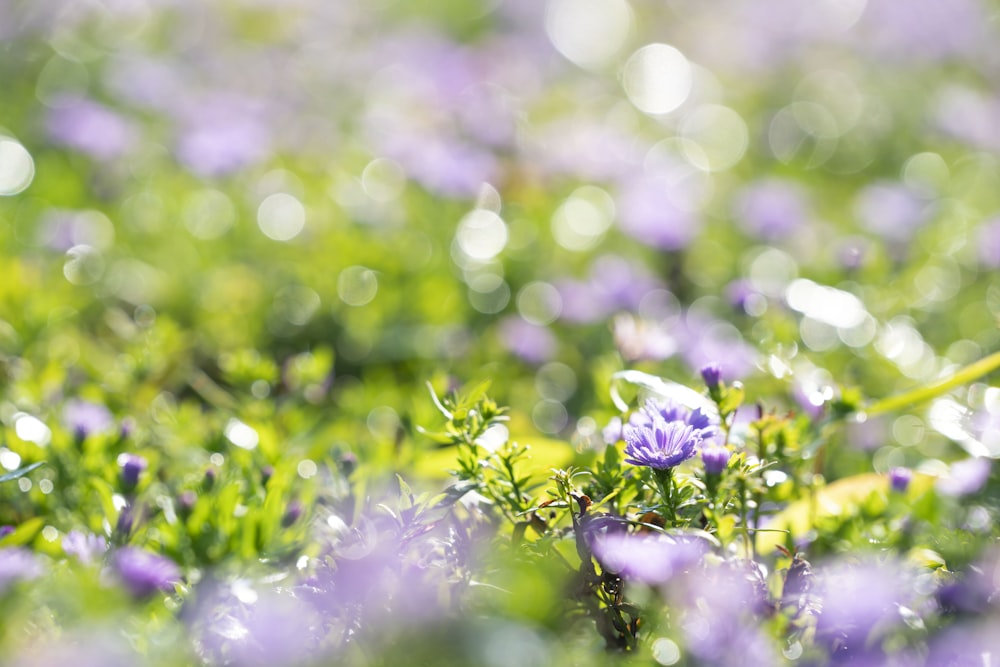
{"type": "Point", "coordinates": [512, 333]}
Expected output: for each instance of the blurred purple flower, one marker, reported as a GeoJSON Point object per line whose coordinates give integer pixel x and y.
{"type": "Point", "coordinates": [718, 612]}
{"type": "Point", "coordinates": [655, 211]}
{"type": "Point", "coordinates": [612, 433]}
{"type": "Point", "coordinates": [89, 127]}
{"type": "Point", "coordinates": [638, 339]}
{"type": "Point", "coordinates": [857, 597]}
{"type": "Point", "coordinates": [705, 340]}
{"type": "Point", "coordinates": [15, 564]}
{"type": "Point", "coordinates": [891, 210]}
{"type": "Point", "coordinates": [531, 342]}
{"type": "Point", "coordinates": [249, 628]}
{"type": "Point", "coordinates": [965, 477]}
{"type": "Point", "coordinates": [771, 209]}
{"type": "Point", "coordinates": [586, 149]}
{"type": "Point", "coordinates": [222, 134]}
{"type": "Point", "coordinates": [928, 30]}
{"type": "Point", "coordinates": [85, 547]}
{"type": "Point", "coordinates": [143, 572]}
{"type": "Point", "coordinates": [988, 242]}
{"type": "Point", "coordinates": [715, 458]}
{"type": "Point", "coordinates": [132, 466]}
{"type": "Point", "coordinates": [969, 116]}
{"type": "Point", "coordinates": [84, 417]}
{"type": "Point", "coordinates": [651, 558]}
{"type": "Point", "coordinates": [899, 479]}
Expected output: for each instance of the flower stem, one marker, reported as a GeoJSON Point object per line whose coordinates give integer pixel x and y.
{"type": "Point", "coordinates": [664, 478]}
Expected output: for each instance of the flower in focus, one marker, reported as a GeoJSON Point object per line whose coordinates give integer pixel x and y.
{"type": "Point", "coordinates": [144, 572]}
{"type": "Point", "coordinates": [661, 444]}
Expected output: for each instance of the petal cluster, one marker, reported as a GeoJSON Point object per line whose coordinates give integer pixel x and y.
{"type": "Point", "coordinates": [664, 436]}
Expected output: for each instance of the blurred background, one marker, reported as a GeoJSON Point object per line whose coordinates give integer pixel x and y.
{"type": "Point", "coordinates": [259, 204]}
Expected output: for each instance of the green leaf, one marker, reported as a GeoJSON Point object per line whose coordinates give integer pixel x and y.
{"type": "Point", "coordinates": [24, 533]}
{"type": "Point", "coordinates": [20, 472]}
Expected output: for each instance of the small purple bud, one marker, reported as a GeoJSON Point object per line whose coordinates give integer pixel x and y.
{"type": "Point", "coordinates": [126, 521]}
{"type": "Point", "coordinates": [899, 479]}
{"type": "Point", "coordinates": [5, 531]}
{"type": "Point", "coordinates": [186, 501]}
{"type": "Point", "coordinates": [208, 481]}
{"type": "Point", "coordinates": [292, 513]}
{"type": "Point", "coordinates": [715, 459]}
{"type": "Point", "coordinates": [711, 374]}
{"type": "Point", "coordinates": [132, 467]}
{"type": "Point", "coordinates": [265, 474]}
{"type": "Point", "coordinates": [348, 462]}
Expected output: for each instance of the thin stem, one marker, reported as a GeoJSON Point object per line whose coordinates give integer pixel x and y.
{"type": "Point", "coordinates": [664, 478]}
{"type": "Point", "coordinates": [973, 371]}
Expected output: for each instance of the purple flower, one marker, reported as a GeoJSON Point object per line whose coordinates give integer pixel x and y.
{"type": "Point", "coordinates": [91, 128]}
{"type": "Point", "coordinates": [899, 479]}
{"type": "Point", "coordinates": [532, 343]}
{"type": "Point", "coordinates": [612, 433]}
{"type": "Point", "coordinates": [84, 417]}
{"type": "Point", "coordinates": [292, 513]}
{"type": "Point", "coordinates": [965, 477]}
{"type": "Point", "coordinates": [771, 209]}
{"type": "Point", "coordinates": [715, 459]}
{"type": "Point", "coordinates": [711, 374]}
{"type": "Point", "coordinates": [132, 466]}
{"type": "Point", "coordinates": [144, 572]}
{"type": "Point", "coordinates": [17, 563]}
{"type": "Point", "coordinates": [989, 243]}
{"type": "Point", "coordinates": [5, 531]}
{"type": "Point", "coordinates": [86, 547]}
{"type": "Point", "coordinates": [660, 444]}
{"type": "Point", "coordinates": [652, 558]}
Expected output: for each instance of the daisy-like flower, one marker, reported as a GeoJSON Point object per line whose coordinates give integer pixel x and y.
{"type": "Point", "coordinates": [660, 444]}
{"type": "Point", "coordinates": [665, 435]}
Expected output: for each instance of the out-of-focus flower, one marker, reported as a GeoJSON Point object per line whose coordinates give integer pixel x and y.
{"type": "Point", "coordinates": [857, 598]}
{"type": "Point", "coordinates": [891, 210]}
{"type": "Point", "coordinates": [292, 513]}
{"type": "Point", "coordinates": [638, 339]}
{"type": "Point", "coordinates": [86, 547]}
{"type": "Point", "coordinates": [653, 210]}
{"type": "Point", "coordinates": [715, 458]}
{"type": "Point", "coordinates": [651, 558]}
{"type": "Point", "coordinates": [16, 564]}
{"type": "Point", "coordinates": [531, 342]}
{"type": "Point", "coordinates": [718, 613]}
{"type": "Point", "coordinates": [84, 418]}
{"type": "Point", "coordinates": [132, 466]}
{"type": "Point", "coordinates": [143, 572]}
{"type": "Point", "coordinates": [899, 479]}
{"type": "Point", "coordinates": [771, 209]}
{"type": "Point", "coordinates": [612, 433]}
{"type": "Point", "coordinates": [5, 531]}
{"type": "Point", "coordinates": [989, 243]}
{"type": "Point", "coordinates": [91, 128]}
{"type": "Point", "coordinates": [965, 477]}
{"type": "Point", "coordinates": [247, 627]}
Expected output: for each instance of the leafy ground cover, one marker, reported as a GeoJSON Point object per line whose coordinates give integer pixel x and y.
{"type": "Point", "coordinates": [499, 332]}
